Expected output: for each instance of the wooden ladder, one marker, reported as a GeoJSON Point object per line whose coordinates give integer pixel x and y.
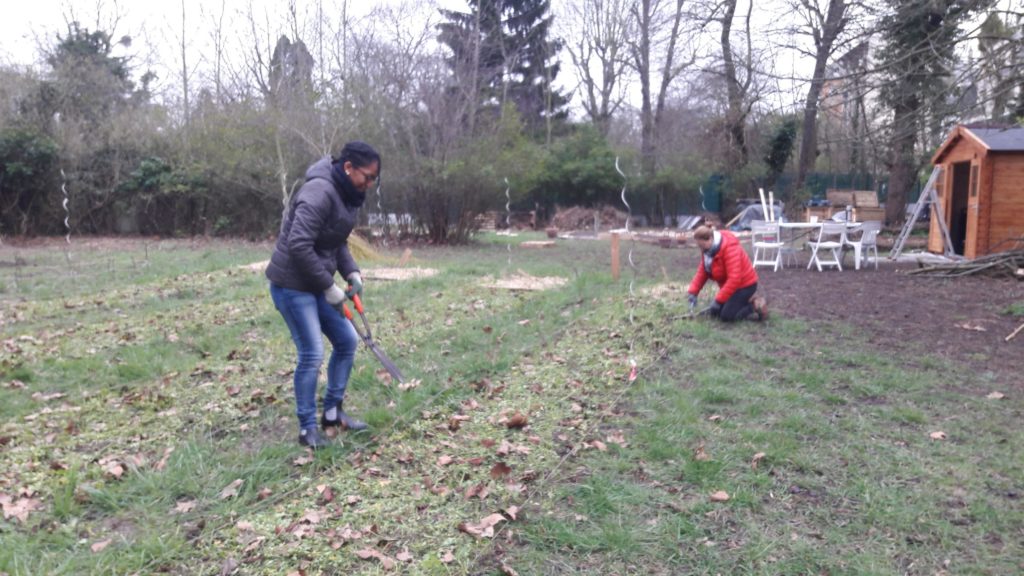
{"type": "Point", "coordinates": [930, 198]}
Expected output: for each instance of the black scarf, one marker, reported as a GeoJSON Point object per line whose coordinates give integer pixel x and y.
{"type": "Point", "coordinates": [349, 194]}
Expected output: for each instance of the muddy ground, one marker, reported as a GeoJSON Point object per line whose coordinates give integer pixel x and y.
{"type": "Point", "coordinates": [965, 319]}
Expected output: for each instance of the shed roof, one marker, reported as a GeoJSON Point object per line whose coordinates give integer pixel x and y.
{"type": "Point", "coordinates": [1000, 139]}
{"type": "Point", "coordinates": [994, 139]}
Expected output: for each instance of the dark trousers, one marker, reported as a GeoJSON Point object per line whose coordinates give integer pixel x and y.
{"type": "Point", "coordinates": [738, 307]}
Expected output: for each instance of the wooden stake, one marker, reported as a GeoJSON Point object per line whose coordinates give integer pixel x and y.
{"type": "Point", "coordinates": [615, 256]}
{"type": "Point", "coordinates": [1014, 333]}
{"type": "Point", "coordinates": [405, 258]}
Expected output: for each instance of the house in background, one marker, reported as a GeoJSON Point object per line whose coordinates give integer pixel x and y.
{"type": "Point", "coordinates": [980, 190]}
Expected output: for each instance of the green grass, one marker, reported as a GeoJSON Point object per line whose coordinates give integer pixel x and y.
{"type": "Point", "coordinates": [173, 365]}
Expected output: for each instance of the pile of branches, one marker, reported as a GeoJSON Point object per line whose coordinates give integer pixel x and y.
{"type": "Point", "coordinates": [1001, 265]}
{"type": "Point", "coordinates": [579, 218]}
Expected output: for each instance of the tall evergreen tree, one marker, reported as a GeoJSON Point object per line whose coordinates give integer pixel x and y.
{"type": "Point", "coordinates": [534, 66]}
{"type": "Point", "coordinates": [501, 53]}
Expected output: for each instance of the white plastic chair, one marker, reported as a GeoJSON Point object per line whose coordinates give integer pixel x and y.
{"type": "Point", "coordinates": [863, 239]}
{"type": "Point", "coordinates": [831, 237]}
{"type": "Point", "coordinates": [768, 245]}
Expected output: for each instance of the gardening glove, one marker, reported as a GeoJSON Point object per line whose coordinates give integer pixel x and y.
{"type": "Point", "coordinates": [335, 296]}
{"type": "Point", "coordinates": [715, 309]}
{"type": "Point", "coordinates": [355, 285]}
{"type": "Point", "coordinates": [692, 298]}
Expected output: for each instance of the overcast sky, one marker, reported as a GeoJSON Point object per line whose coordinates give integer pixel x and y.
{"type": "Point", "coordinates": [25, 24]}
{"type": "Point", "coordinates": [155, 27]}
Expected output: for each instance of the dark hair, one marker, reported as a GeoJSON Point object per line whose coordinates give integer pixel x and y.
{"type": "Point", "coordinates": [359, 153]}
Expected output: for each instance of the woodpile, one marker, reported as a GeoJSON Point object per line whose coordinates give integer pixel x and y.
{"type": "Point", "coordinates": [1001, 265]}
{"type": "Point", "coordinates": [578, 218]}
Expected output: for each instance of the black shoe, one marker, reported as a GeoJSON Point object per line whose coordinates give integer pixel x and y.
{"type": "Point", "coordinates": [343, 421]}
{"type": "Point", "coordinates": [311, 437]}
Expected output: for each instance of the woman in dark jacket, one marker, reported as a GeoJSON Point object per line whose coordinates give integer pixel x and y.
{"type": "Point", "coordinates": [311, 247]}
{"type": "Point", "coordinates": [724, 260]}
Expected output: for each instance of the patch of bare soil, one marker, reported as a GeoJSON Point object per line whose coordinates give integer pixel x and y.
{"type": "Point", "coordinates": [398, 273]}
{"type": "Point", "coordinates": [964, 320]}
{"type": "Point", "coordinates": [523, 281]}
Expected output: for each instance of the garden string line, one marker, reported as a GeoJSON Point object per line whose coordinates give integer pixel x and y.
{"type": "Point", "coordinates": [508, 227]}
{"type": "Point", "coordinates": [380, 211]}
{"type": "Point", "coordinates": [632, 267]}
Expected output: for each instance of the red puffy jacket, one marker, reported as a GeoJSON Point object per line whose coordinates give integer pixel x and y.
{"type": "Point", "coordinates": [730, 268]}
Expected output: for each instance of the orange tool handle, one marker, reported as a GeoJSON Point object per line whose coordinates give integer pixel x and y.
{"type": "Point", "coordinates": [348, 313]}
{"type": "Point", "coordinates": [358, 302]}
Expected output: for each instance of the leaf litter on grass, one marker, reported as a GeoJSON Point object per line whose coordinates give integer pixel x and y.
{"type": "Point", "coordinates": [566, 384]}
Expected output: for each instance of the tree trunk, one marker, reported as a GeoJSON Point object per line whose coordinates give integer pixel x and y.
{"type": "Point", "coordinates": [826, 29]}
{"type": "Point", "coordinates": [735, 117]}
{"type": "Point", "coordinates": [904, 161]}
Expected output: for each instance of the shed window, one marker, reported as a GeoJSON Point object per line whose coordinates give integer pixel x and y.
{"type": "Point", "coordinates": [974, 181]}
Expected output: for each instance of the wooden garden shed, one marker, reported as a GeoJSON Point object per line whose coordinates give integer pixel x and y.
{"type": "Point", "coordinates": [980, 190]}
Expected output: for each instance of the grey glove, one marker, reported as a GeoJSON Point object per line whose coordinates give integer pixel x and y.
{"type": "Point", "coordinates": [693, 300]}
{"type": "Point", "coordinates": [355, 285]}
{"type": "Point", "coordinates": [715, 309]}
{"type": "Point", "coordinates": [335, 296]}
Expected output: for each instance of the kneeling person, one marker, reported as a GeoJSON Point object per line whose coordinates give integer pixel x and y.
{"type": "Point", "coordinates": [725, 261]}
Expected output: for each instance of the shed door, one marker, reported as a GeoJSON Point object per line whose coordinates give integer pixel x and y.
{"type": "Point", "coordinates": [971, 239]}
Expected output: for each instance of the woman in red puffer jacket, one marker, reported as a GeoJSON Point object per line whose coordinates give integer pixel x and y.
{"type": "Point", "coordinates": [725, 261]}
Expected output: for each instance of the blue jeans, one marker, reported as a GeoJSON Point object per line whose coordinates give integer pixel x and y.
{"type": "Point", "coordinates": [307, 315]}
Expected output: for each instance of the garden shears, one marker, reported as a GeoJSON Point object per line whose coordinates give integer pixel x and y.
{"type": "Point", "coordinates": [367, 337]}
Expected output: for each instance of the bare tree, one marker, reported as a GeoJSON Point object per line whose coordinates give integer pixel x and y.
{"type": "Point", "coordinates": [738, 75]}
{"type": "Point", "coordinates": [825, 25]}
{"type": "Point", "coordinates": [661, 50]}
{"type": "Point", "coordinates": [599, 53]}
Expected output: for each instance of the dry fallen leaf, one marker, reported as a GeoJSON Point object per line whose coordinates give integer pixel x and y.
{"type": "Point", "coordinates": [715, 418]}
{"type": "Point", "coordinates": [367, 553]}
{"type": "Point", "coordinates": [720, 496]}
{"type": "Point", "coordinates": [700, 455]}
{"type": "Point", "coordinates": [244, 526]}
{"type": "Point", "coordinates": [326, 494]}
{"type": "Point", "coordinates": [445, 460]}
{"type": "Point", "coordinates": [99, 546]}
{"type": "Point", "coordinates": [938, 435]}
{"type": "Point", "coordinates": [996, 396]}
{"type": "Point", "coordinates": [511, 511]}
{"type": "Point", "coordinates": [111, 467]}
{"type": "Point", "coordinates": [500, 470]}
{"type": "Point", "coordinates": [447, 557]}
{"type": "Point", "coordinates": [18, 507]}
{"type": "Point", "coordinates": [617, 438]}
{"type": "Point", "coordinates": [231, 490]}
{"type": "Point", "coordinates": [484, 528]}
{"type": "Point", "coordinates": [517, 420]}
{"type": "Point", "coordinates": [409, 384]}
{"type": "Point", "coordinates": [757, 458]}
{"type": "Point", "coordinates": [184, 506]}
